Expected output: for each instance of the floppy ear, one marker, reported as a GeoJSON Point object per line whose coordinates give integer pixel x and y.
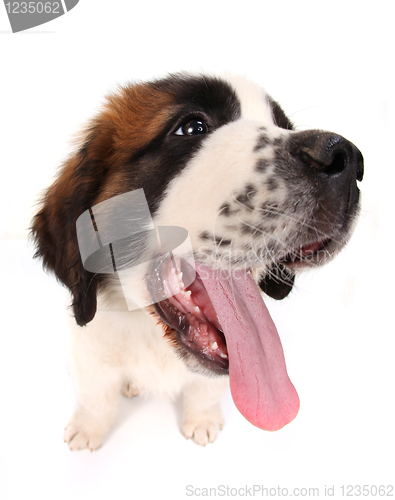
{"type": "Point", "coordinates": [121, 128]}
{"type": "Point", "coordinates": [54, 226]}
{"type": "Point", "coordinates": [278, 282]}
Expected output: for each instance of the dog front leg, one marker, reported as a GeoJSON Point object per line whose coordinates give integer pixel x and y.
{"type": "Point", "coordinates": [203, 417]}
{"type": "Point", "coordinates": [98, 389]}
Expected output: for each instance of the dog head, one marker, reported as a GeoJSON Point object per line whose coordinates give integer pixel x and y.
{"type": "Point", "coordinates": [219, 158]}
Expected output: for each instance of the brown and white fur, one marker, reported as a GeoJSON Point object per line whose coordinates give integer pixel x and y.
{"type": "Point", "coordinates": [215, 156]}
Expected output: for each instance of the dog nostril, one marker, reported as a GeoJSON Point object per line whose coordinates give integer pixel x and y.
{"type": "Point", "coordinates": [328, 155]}
{"type": "Point", "coordinates": [336, 166]}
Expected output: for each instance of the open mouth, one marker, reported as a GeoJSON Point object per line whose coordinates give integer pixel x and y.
{"type": "Point", "coordinates": [221, 319]}
{"type": "Point", "coordinates": [310, 253]}
{"type": "Point", "coordinates": [189, 311]}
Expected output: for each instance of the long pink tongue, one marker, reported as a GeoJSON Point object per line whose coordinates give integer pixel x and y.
{"type": "Point", "coordinates": [259, 383]}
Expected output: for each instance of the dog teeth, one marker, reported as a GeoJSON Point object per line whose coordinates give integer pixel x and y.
{"type": "Point", "coordinates": [214, 346]}
{"type": "Point", "coordinates": [180, 282]}
{"type": "Point", "coordinates": [196, 309]}
{"type": "Point", "coordinates": [223, 355]}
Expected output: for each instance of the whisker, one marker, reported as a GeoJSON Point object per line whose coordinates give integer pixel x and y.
{"type": "Point", "coordinates": [283, 244]}
{"type": "Point", "coordinates": [274, 211]}
{"type": "Point", "coordinates": [304, 224]}
{"type": "Point", "coordinates": [214, 224]}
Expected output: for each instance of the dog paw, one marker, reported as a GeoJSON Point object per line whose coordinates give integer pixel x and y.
{"type": "Point", "coordinates": [129, 391]}
{"type": "Point", "coordinates": [83, 431]}
{"type": "Point", "coordinates": [204, 430]}
{"type": "Point", "coordinates": [80, 439]}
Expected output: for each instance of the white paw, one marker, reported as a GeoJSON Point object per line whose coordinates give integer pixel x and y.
{"type": "Point", "coordinates": [205, 429]}
{"type": "Point", "coordinates": [79, 439]}
{"type": "Point", "coordinates": [83, 431]}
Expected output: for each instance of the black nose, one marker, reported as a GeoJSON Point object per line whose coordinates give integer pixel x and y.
{"type": "Point", "coordinates": [329, 155]}
{"type": "Point", "coordinates": [331, 165]}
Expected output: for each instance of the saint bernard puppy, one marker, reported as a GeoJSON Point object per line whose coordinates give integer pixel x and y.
{"type": "Point", "coordinates": [189, 198]}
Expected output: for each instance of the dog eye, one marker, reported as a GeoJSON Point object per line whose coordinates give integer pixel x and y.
{"type": "Point", "coordinates": [193, 127]}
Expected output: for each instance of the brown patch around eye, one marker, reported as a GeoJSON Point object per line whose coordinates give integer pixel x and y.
{"type": "Point", "coordinates": [136, 114]}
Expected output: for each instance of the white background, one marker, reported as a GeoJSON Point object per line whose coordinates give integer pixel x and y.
{"type": "Point", "coordinates": [330, 65]}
